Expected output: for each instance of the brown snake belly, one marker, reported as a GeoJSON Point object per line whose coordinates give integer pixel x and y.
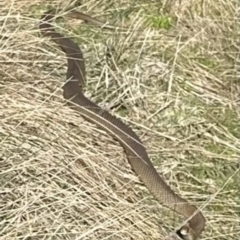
{"type": "Point", "coordinates": [135, 151]}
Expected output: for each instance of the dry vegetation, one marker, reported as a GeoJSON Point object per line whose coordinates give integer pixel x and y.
{"type": "Point", "coordinates": [172, 77]}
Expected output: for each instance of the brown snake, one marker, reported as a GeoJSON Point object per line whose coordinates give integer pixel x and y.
{"type": "Point", "coordinates": [135, 151]}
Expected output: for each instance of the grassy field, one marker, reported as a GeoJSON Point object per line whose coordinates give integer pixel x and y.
{"type": "Point", "coordinates": [172, 77]}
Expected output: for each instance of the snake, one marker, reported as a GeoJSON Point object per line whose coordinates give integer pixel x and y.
{"type": "Point", "coordinates": [133, 147]}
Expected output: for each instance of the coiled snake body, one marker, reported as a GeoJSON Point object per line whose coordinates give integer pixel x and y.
{"type": "Point", "coordinates": [135, 151]}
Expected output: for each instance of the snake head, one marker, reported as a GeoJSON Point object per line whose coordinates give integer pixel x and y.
{"type": "Point", "coordinates": [186, 233]}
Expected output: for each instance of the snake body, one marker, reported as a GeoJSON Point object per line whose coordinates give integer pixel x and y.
{"type": "Point", "coordinates": [135, 151]}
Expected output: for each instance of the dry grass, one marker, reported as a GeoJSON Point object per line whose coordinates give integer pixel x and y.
{"type": "Point", "coordinates": [63, 178]}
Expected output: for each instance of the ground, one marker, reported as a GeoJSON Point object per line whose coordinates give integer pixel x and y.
{"type": "Point", "coordinates": [172, 76]}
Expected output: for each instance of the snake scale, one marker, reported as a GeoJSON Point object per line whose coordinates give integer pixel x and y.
{"type": "Point", "coordinates": [134, 149]}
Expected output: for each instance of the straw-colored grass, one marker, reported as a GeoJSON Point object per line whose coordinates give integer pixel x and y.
{"type": "Point", "coordinates": [172, 77]}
